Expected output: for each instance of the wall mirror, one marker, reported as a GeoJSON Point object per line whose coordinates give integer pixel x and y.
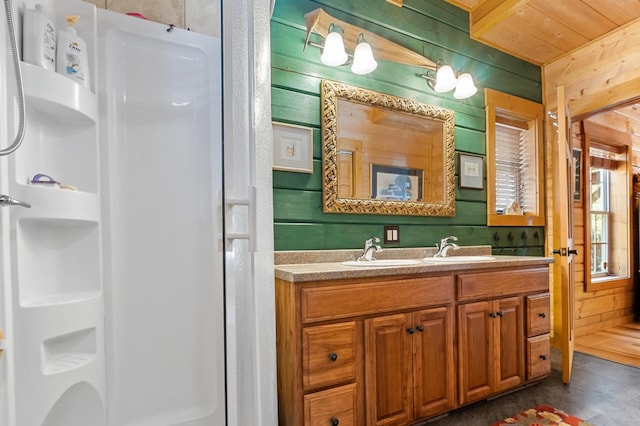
{"type": "Point", "coordinates": [383, 154]}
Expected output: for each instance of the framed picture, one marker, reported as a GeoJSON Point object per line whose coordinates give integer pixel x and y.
{"type": "Point", "coordinates": [292, 148]}
{"type": "Point", "coordinates": [471, 171]}
{"type": "Point", "coordinates": [577, 163]}
{"type": "Point", "coordinates": [396, 183]}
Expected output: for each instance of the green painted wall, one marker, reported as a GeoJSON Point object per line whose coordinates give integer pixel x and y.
{"type": "Point", "coordinates": [438, 31]}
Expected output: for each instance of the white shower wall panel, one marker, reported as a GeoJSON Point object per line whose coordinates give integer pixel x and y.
{"type": "Point", "coordinates": [161, 156]}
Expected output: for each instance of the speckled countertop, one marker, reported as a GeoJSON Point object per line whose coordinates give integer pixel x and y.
{"type": "Point", "coordinates": [315, 265]}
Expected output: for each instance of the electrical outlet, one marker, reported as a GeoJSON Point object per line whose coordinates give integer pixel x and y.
{"type": "Point", "coordinates": [391, 234]}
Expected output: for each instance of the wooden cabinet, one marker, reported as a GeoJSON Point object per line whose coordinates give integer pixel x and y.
{"type": "Point", "coordinates": [331, 407]}
{"type": "Point", "coordinates": [490, 347]}
{"type": "Point", "coordinates": [398, 331]}
{"type": "Point", "coordinates": [409, 367]}
{"type": "Point", "coordinates": [538, 340]}
{"type": "Point", "coordinates": [392, 351]}
{"type": "Point", "coordinates": [491, 334]}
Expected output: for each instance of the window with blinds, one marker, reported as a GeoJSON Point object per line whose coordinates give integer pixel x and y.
{"type": "Point", "coordinates": [514, 160]}
{"type": "Point", "coordinates": [600, 222]}
{"type": "Point", "coordinates": [515, 167]}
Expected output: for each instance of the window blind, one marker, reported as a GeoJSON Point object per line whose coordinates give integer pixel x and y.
{"type": "Point", "coordinates": [515, 168]}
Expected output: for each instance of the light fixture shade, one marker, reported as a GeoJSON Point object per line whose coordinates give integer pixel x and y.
{"type": "Point", "coordinates": [445, 79]}
{"type": "Point", "coordinates": [333, 53]}
{"type": "Point", "coordinates": [363, 60]}
{"type": "Point", "coordinates": [465, 87]}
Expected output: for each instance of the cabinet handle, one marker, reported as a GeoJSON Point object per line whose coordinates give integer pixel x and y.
{"type": "Point", "coordinates": [493, 314]}
{"type": "Point", "coordinates": [334, 421]}
{"type": "Point", "coordinates": [500, 313]}
{"type": "Point", "coordinates": [543, 357]}
{"type": "Point", "coordinates": [420, 327]}
{"type": "Point", "coordinates": [333, 356]}
{"type": "Point", "coordinates": [411, 330]}
{"type": "Point", "coordinates": [542, 315]}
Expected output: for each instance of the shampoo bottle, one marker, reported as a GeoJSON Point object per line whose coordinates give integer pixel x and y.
{"type": "Point", "coordinates": [72, 59]}
{"type": "Point", "coordinates": [39, 39]}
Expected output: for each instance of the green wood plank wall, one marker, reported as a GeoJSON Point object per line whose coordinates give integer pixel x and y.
{"type": "Point", "coordinates": [435, 29]}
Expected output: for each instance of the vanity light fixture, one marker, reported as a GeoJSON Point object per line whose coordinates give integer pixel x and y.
{"type": "Point", "coordinates": [333, 53]}
{"type": "Point", "coordinates": [363, 60]}
{"type": "Point", "coordinates": [465, 87]}
{"type": "Point", "coordinates": [443, 79]}
{"type": "Point", "coordinates": [324, 25]}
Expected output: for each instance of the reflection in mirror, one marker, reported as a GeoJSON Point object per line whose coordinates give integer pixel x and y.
{"type": "Point", "coordinates": [385, 155]}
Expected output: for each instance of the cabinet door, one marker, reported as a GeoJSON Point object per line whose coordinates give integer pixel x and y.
{"type": "Point", "coordinates": [509, 343]}
{"type": "Point", "coordinates": [475, 350]}
{"type": "Point", "coordinates": [388, 389]}
{"type": "Point", "coordinates": [433, 370]}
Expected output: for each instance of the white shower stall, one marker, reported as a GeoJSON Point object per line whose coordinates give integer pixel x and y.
{"type": "Point", "coordinates": [112, 295]}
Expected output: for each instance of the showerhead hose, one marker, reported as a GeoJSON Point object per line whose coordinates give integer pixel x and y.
{"type": "Point", "coordinates": [8, 10]}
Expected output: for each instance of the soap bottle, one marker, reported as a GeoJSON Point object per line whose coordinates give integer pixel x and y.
{"type": "Point", "coordinates": [39, 39]}
{"type": "Point", "coordinates": [72, 59]}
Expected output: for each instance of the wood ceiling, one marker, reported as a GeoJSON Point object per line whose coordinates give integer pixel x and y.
{"type": "Point", "coordinates": [540, 31]}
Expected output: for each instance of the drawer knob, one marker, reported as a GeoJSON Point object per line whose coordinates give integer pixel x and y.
{"type": "Point", "coordinates": [420, 327]}
{"type": "Point", "coordinates": [500, 313]}
{"type": "Point", "coordinates": [493, 314]}
{"type": "Point", "coordinates": [411, 330]}
{"type": "Point", "coordinates": [543, 357]}
{"type": "Point", "coordinates": [542, 315]}
{"type": "Point", "coordinates": [334, 421]}
{"type": "Point", "coordinates": [333, 356]}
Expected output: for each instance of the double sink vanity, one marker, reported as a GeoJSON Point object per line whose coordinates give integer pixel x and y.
{"type": "Point", "coordinates": [405, 337]}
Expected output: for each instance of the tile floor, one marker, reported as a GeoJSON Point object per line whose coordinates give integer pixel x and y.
{"type": "Point", "coordinates": [601, 392]}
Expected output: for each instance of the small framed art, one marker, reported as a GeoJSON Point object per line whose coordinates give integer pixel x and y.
{"type": "Point", "coordinates": [577, 189]}
{"type": "Point", "coordinates": [471, 171]}
{"type": "Point", "coordinates": [292, 148]}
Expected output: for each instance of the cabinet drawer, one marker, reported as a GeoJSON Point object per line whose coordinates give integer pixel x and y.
{"type": "Point", "coordinates": [538, 356]}
{"type": "Point", "coordinates": [321, 408]}
{"type": "Point", "coordinates": [482, 285]}
{"type": "Point", "coordinates": [350, 300]}
{"type": "Point", "coordinates": [329, 354]}
{"type": "Point", "coordinates": [538, 314]}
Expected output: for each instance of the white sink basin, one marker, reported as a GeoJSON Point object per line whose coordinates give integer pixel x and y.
{"type": "Point", "coordinates": [459, 259]}
{"type": "Point", "coordinates": [381, 262]}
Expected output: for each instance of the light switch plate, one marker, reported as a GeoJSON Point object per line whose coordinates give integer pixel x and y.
{"type": "Point", "coordinates": [391, 234]}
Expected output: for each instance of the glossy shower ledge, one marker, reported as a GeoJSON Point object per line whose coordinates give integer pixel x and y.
{"type": "Point", "coordinates": [315, 265]}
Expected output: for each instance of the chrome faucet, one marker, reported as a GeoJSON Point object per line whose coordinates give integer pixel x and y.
{"type": "Point", "coordinates": [445, 245]}
{"type": "Point", "coordinates": [370, 247]}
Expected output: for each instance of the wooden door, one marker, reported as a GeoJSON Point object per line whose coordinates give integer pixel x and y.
{"type": "Point", "coordinates": [509, 332]}
{"type": "Point", "coordinates": [388, 370]}
{"type": "Point", "coordinates": [563, 268]}
{"type": "Point", "coordinates": [433, 369]}
{"type": "Point", "coordinates": [475, 351]}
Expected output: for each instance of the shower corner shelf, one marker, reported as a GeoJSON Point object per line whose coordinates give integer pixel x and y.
{"type": "Point", "coordinates": [62, 204]}
{"type": "Point", "coordinates": [67, 362]}
{"type": "Point", "coordinates": [48, 300]}
{"type": "Point", "coordinates": [58, 96]}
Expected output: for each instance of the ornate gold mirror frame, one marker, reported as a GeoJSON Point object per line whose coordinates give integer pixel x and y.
{"type": "Point", "coordinates": [442, 179]}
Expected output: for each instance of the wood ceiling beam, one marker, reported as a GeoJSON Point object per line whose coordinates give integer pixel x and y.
{"type": "Point", "coordinates": [491, 13]}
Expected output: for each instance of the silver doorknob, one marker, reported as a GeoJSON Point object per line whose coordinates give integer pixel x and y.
{"type": "Point", "coordinates": [6, 201]}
